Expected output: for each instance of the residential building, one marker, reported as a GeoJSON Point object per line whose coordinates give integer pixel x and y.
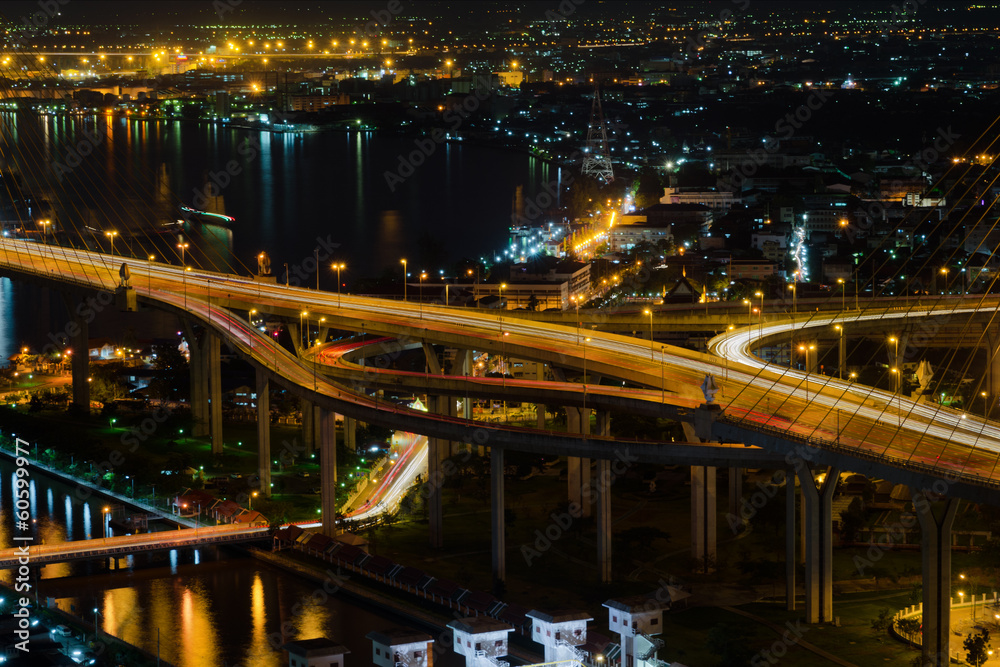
{"type": "Point", "coordinates": [399, 646]}
{"type": "Point", "coordinates": [318, 652]}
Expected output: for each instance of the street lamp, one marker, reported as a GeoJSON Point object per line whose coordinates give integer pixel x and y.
{"type": "Point", "coordinates": [302, 338]}
{"type": "Point", "coordinates": [795, 298]}
{"type": "Point", "coordinates": [650, 313]}
{"type": "Point", "coordinates": [840, 350]}
{"type": "Point", "coordinates": [761, 313]}
{"type": "Point", "coordinates": [806, 349]}
{"type": "Point", "coordinates": [944, 272]}
{"type": "Point", "coordinates": [111, 235]}
{"type": "Point", "coordinates": [252, 496]}
{"type": "Point", "coordinates": [183, 245]}
{"type": "Point", "coordinates": [403, 262]}
{"type": "Point", "coordinates": [45, 230]}
{"type": "Point", "coordinates": [895, 353]}
{"type": "Point", "coordinates": [423, 274]}
{"type": "Point", "coordinates": [149, 275]}
{"type": "Point", "coordinates": [339, 267]}
{"type": "Point", "coordinates": [843, 294]}
{"type": "Point", "coordinates": [106, 512]}
{"type": "Point", "coordinates": [184, 277]}
{"type": "Point", "coordinates": [502, 306]}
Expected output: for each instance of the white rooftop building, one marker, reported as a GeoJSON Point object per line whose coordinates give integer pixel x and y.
{"type": "Point", "coordinates": [637, 619]}
{"type": "Point", "coordinates": [400, 647]}
{"type": "Point", "coordinates": [561, 633]}
{"type": "Point", "coordinates": [482, 640]}
{"type": "Point", "coordinates": [318, 652]}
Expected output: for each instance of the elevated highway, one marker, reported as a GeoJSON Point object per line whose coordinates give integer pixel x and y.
{"type": "Point", "coordinates": [790, 419]}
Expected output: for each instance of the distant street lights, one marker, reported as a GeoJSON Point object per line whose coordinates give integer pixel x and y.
{"type": "Point", "coordinates": [760, 315]}
{"type": "Point", "coordinates": [111, 235]}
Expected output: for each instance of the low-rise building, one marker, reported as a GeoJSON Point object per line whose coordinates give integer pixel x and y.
{"type": "Point", "coordinates": [399, 646]}
{"type": "Point", "coordinates": [317, 652]}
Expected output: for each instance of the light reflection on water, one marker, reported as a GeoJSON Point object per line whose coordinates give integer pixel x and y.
{"type": "Point", "coordinates": [227, 610]}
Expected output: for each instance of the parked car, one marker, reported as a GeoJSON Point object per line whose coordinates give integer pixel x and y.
{"type": "Point", "coordinates": [62, 631]}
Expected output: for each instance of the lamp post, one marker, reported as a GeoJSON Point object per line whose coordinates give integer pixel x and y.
{"type": "Point", "coordinates": [795, 298]}
{"type": "Point", "coordinates": [649, 312]}
{"type": "Point", "coordinates": [252, 496]}
{"type": "Point", "coordinates": [840, 351]}
{"type": "Point", "coordinates": [303, 339]}
{"type": "Point", "coordinates": [184, 276]}
{"type": "Point", "coordinates": [45, 230]}
{"type": "Point", "coordinates": [944, 272]}
{"type": "Point", "coordinates": [760, 314]}
{"type": "Point", "coordinates": [111, 235]}
{"type": "Point", "coordinates": [423, 274]}
{"type": "Point", "coordinates": [502, 306]}
{"type": "Point", "coordinates": [286, 274]}
{"type": "Point", "coordinates": [183, 245]}
{"type": "Point", "coordinates": [106, 512]}
{"type": "Point", "coordinates": [403, 262]}
{"type": "Point", "coordinates": [149, 274]}
{"type": "Point", "coordinates": [585, 414]}
{"type": "Point", "coordinates": [895, 352]}
{"type": "Point", "coordinates": [843, 294]}
{"type": "Point", "coordinates": [339, 267]}
{"type": "Point", "coordinates": [806, 349]}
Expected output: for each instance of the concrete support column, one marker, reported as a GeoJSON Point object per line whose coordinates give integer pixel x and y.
{"type": "Point", "coordinates": [213, 377]}
{"type": "Point", "coordinates": [540, 407]}
{"type": "Point", "coordinates": [497, 517]}
{"type": "Point", "coordinates": [264, 433]}
{"type": "Point", "coordinates": [790, 539]}
{"type": "Point", "coordinates": [602, 423]}
{"type": "Point", "coordinates": [578, 469]}
{"type": "Point", "coordinates": [435, 515]}
{"type": "Point", "coordinates": [198, 368]}
{"type": "Point", "coordinates": [603, 510]}
{"type": "Point", "coordinates": [818, 510]}
{"type": "Point", "coordinates": [935, 552]}
{"type": "Point", "coordinates": [80, 361]}
{"type": "Point", "coordinates": [351, 433]}
{"type": "Point", "coordinates": [703, 508]}
{"type": "Point", "coordinates": [735, 490]}
{"type": "Point", "coordinates": [310, 428]}
{"type": "Point", "coordinates": [328, 469]}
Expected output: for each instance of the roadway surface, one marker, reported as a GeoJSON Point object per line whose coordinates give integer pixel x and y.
{"type": "Point", "coordinates": [787, 407]}
{"type": "Point", "coordinates": [108, 547]}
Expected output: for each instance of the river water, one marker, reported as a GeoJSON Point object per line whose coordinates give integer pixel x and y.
{"type": "Point", "coordinates": [290, 195]}
{"type": "Point", "coordinates": [206, 608]}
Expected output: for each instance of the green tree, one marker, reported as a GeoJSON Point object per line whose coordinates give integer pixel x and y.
{"type": "Point", "coordinates": [881, 623]}
{"type": "Point", "coordinates": [908, 627]}
{"type": "Point", "coordinates": [977, 647]}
